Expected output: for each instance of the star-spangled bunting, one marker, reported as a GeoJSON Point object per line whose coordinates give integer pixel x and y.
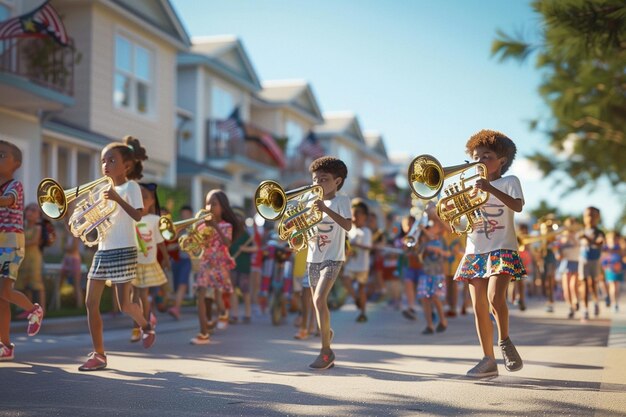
{"type": "Point", "coordinates": [42, 22]}
{"type": "Point", "coordinates": [232, 125]}
{"type": "Point", "coordinates": [310, 146]}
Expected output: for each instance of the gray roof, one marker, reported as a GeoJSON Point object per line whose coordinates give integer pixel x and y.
{"type": "Point", "coordinates": [73, 130]}
{"type": "Point", "coordinates": [295, 93]}
{"type": "Point", "coordinates": [159, 14]}
{"type": "Point", "coordinates": [186, 166]}
{"type": "Point", "coordinates": [226, 55]}
{"type": "Point", "coordinates": [375, 141]}
{"type": "Point", "coordinates": [341, 124]}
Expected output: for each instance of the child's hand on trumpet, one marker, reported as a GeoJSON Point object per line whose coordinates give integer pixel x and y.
{"type": "Point", "coordinates": [112, 195]}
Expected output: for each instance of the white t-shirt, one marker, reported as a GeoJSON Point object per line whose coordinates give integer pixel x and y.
{"type": "Point", "coordinates": [150, 236]}
{"type": "Point", "coordinates": [122, 233]}
{"type": "Point", "coordinates": [360, 260]}
{"type": "Point", "coordinates": [329, 244]}
{"type": "Point", "coordinates": [497, 230]}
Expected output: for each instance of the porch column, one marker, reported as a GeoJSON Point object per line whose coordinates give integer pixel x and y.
{"type": "Point", "coordinates": [73, 168]}
{"type": "Point", "coordinates": [197, 199]}
{"type": "Point", "coordinates": [53, 161]}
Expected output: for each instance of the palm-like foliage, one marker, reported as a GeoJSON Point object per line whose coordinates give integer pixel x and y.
{"type": "Point", "coordinates": [581, 52]}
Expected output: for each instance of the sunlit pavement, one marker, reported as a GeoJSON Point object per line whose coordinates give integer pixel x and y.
{"type": "Point", "coordinates": [384, 367]}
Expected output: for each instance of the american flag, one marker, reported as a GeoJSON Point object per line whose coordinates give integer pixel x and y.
{"type": "Point", "coordinates": [273, 149]}
{"type": "Point", "coordinates": [310, 146]}
{"type": "Point", "coordinates": [232, 125]}
{"type": "Point", "coordinates": [41, 22]}
{"type": "Point", "coordinates": [389, 180]}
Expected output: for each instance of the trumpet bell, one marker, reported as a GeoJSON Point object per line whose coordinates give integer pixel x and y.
{"type": "Point", "coordinates": [51, 198]}
{"type": "Point", "coordinates": [166, 227]}
{"type": "Point", "coordinates": [425, 176]}
{"type": "Point", "coordinates": [170, 230]}
{"type": "Point", "coordinates": [270, 200]}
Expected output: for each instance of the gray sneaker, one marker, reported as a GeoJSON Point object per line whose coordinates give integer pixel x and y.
{"type": "Point", "coordinates": [485, 368]}
{"type": "Point", "coordinates": [512, 360]}
{"type": "Point", "coordinates": [323, 361]}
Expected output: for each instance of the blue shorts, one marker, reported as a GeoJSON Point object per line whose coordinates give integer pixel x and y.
{"type": "Point", "coordinates": [412, 274]}
{"type": "Point", "coordinates": [611, 276]}
{"type": "Point", "coordinates": [570, 267]}
{"type": "Point", "coordinates": [181, 271]}
{"type": "Point", "coordinates": [431, 286]}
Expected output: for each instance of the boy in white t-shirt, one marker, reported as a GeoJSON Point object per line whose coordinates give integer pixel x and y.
{"type": "Point", "coordinates": [326, 251]}
{"type": "Point", "coordinates": [357, 266]}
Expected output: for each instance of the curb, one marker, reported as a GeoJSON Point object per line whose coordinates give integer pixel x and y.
{"type": "Point", "coordinates": [78, 324]}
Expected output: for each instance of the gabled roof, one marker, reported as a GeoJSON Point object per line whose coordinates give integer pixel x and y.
{"type": "Point", "coordinates": [160, 15]}
{"type": "Point", "coordinates": [226, 55]}
{"type": "Point", "coordinates": [295, 93]}
{"type": "Point", "coordinates": [375, 142]}
{"type": "Point", "coordinates": [341, 124]}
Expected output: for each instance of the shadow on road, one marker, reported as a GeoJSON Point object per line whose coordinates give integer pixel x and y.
{"type": "Point", "coordinates": [118, 392]}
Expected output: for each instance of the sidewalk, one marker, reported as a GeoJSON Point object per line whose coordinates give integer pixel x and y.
{"type": "Point", "coordinates": [78, 324]}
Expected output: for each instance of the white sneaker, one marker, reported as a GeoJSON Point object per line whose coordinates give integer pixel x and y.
{"type": "Point", "coordinates": [200, 339]}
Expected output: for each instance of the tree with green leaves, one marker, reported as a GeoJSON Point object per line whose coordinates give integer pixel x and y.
{"type": "Point", "coordinates": [581, 52]}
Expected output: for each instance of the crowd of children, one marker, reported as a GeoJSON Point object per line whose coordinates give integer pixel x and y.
{"type": "Point", "coordinates": [421, 262]}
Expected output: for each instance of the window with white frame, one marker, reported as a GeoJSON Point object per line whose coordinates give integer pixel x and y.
{"type": "Point", "coordinates": [295, 133]}
{"type": "Point", "coordinates": [5, 14]}
{"type": "Point", "coordinates": [222, 103]}
{"type": "Point", "coordinates": [133, 85]}
{"type": "Point", "coordinates": [5, 10]}
{"type": "Point", "coordinates": [368, 169]}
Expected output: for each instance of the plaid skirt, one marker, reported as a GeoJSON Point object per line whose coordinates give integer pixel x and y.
{"type": "Point", "coordinates": [117, 265]}
{"type": "Point", "coordinates": [149, 275]}
{"type": "Point", "coordinates": [485, 265]}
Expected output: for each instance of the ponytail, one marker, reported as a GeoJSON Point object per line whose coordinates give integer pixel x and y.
{"type": "Point", "coordinates": [131, 150]}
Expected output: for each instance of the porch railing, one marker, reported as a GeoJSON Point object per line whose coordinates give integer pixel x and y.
{"type": "Point", "coordinates": [41, 61]}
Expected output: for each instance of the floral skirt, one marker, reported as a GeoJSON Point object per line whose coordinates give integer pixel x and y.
{"type": "Point", "coordinates": [485, 265]}
{"type": "Point", "coordinates": [149, 275]}
{"type": "Point", "coordinates": [214, 277]}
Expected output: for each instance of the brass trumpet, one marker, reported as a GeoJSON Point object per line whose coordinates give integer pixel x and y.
{"type": "Point", "coordinates": [549, 228]}
{"type": "Point", "coordinates": [192, 242]}
{"type": "Point", "coordinates": [92, 210]}
{"type": "Point", "coordinates": [298, 217]}
{"type": "Point", "coordinates": [460, 205]}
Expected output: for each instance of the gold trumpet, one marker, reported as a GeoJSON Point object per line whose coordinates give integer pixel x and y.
{"type": "Point", "coordinates": [549, 228]}
{"type": "Point", "coordinates": [192, 242]}
{"type": "Point", "coordinates": [92, 210]}
{"type": "Point", "coordinates": [298, 216]}
{"type": "Point", "coordinates": [460, 205]}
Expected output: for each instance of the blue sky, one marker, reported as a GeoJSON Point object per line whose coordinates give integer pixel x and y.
{"type": "Point", "coordinates": [417, 71]}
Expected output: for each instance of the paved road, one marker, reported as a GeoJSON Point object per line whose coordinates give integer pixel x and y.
{"type": "Point", "coordinates": [383, 368]}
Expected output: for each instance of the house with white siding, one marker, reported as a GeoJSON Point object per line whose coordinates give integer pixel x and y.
{"type": "Point", "coordinates": [342, 137]}
{"type": "Point", "coordinates": [123, 82]}
{"type": "Point", "coordinates": [288, 110]}
{"type": "Point", "coordinates": [215, 80]}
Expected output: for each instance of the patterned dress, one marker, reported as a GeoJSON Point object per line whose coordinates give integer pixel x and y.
{"type": "Point", "coordinates": [216, 262]}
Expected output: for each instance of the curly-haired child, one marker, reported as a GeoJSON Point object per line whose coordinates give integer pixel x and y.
{"type": "Point", "coordinates": [491, 257]}
{"type": "Point", "coordinates": [326, 252]}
